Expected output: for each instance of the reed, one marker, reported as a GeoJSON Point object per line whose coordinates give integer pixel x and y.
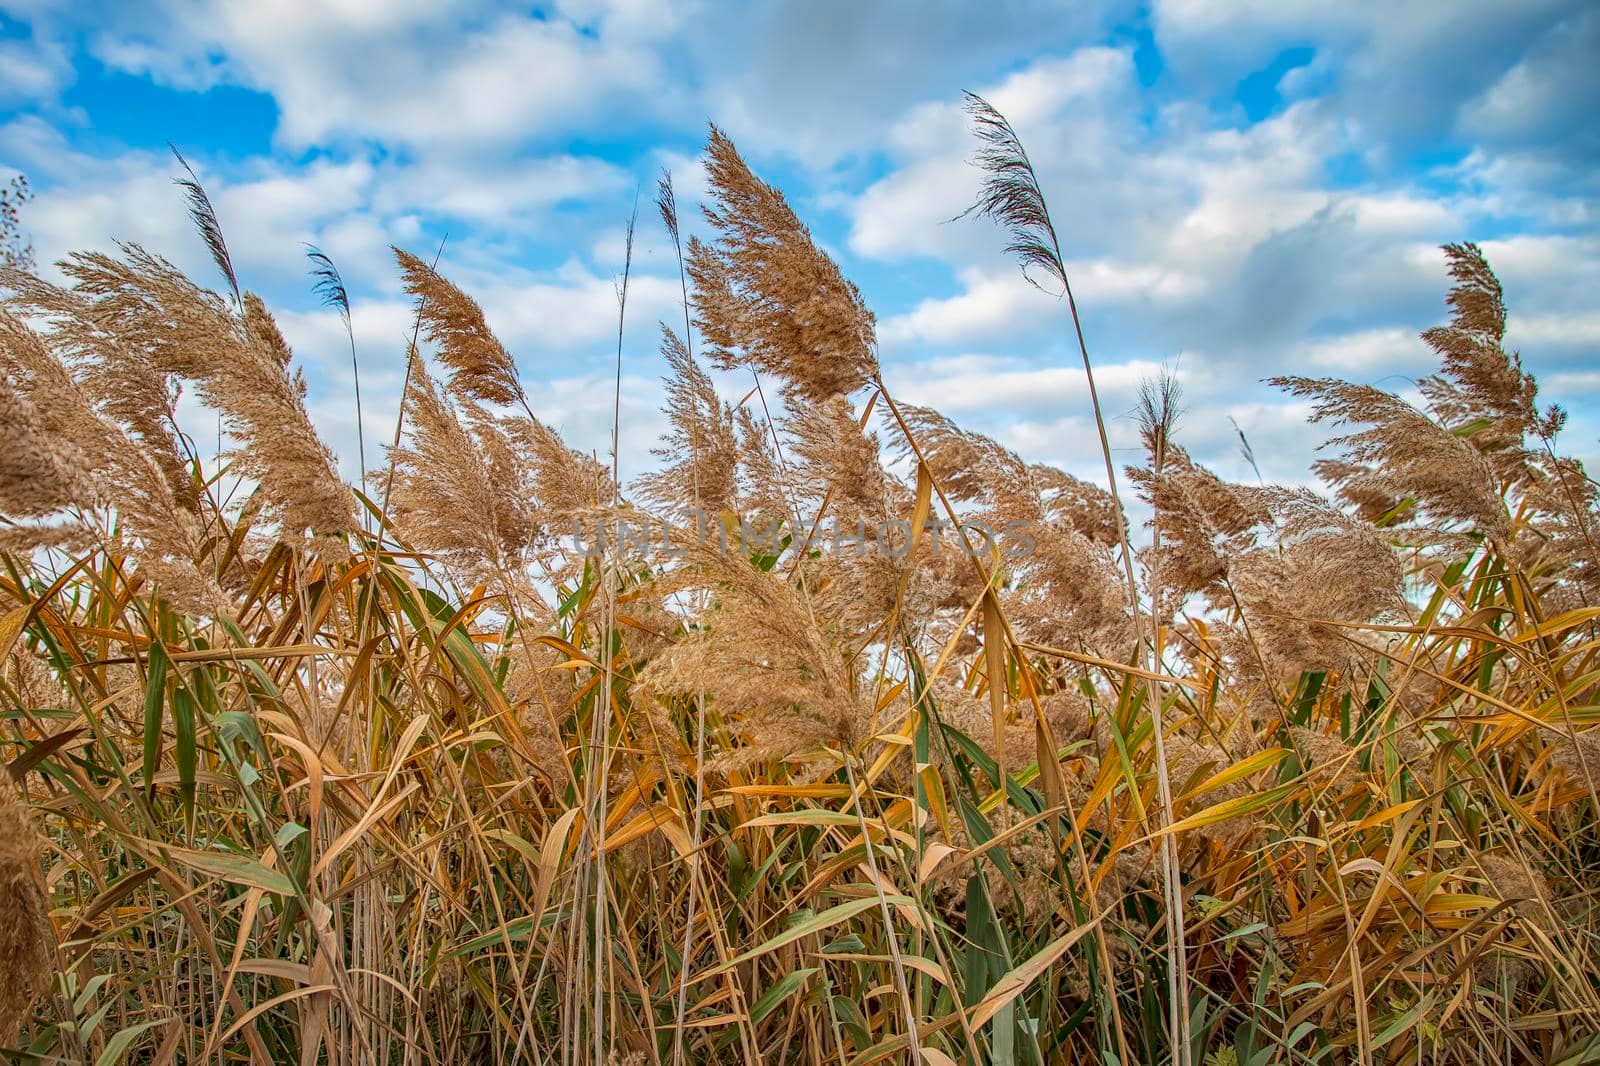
{"type": "Point", "coordinates": [1285, 778]}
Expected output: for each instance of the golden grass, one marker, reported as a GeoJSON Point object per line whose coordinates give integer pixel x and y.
{"type": "Point", "coordinates": [302, 773]}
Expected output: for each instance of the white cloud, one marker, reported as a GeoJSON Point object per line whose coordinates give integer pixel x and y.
{"type": "Point", "coordinates": [1094, 77]}
{"type": "Point", "coordinates": [1198, 228]}
{"type": "Point", "coordinates": [268, 210]}
{"type": "Point", "coordinates": [1546, 98]}
{"type": "Point", "coordinates": [1546, 271]}
{"type": "Point", "coordinates": [382, 329]}
{"type": "Point", "coordinates": [574, 318]}
{"type": "Point", "coordinates": [582, 311]}
{"type": "Point", "coordinates": [1575, 329]}
{"type": "Point", "coordinates": [408, 73]}
{"type": "Point", "coordinates": [1004, 305]}
{"type": "Point", "coordinates": [1235, 245]}
{"type": "Point", "coordinates": [492, 189]}
{"type": "Point", "coordinates": [32, 69]}
{"type": "Point", "coordinates": [910, 211]}
{"type": "Point", "coordinates": [1585, 383]}
{"type": "Point", "coordinates": [821, 80]}
{"type": "Point", "coordinates": [1070, 111]}
{"type": "Point", "coordinates": [1401, 213]}
{"type": "Point", "coordinates": [980, 384]}
{"type": "Point", "coordinates": [987, 308]}
{"type": "Point", "coordinates": [1391, 349]}
{"type": "Point", "coordinates": [85, 203]}
{"type": "Point", "coordinates": [359, 244]}
{"type": "Point", "coordinates": [270, 215]}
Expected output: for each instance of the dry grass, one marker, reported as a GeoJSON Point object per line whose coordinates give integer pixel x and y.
{"type": "Point", "coordinates": [287, 785]}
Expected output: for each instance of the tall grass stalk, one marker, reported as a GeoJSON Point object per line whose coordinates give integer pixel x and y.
{"type": "Point", "coordinates": [1012, 196]}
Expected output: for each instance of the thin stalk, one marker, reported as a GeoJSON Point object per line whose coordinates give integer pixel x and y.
{"type": "Point", "coordinates": [667, 202]}
{"type": "Point", "coordinates": [388, 486]}
{"type": "Point", "coordinates": [1177, 962]}
{"type": "Point", "coordinates": [601, 726]}
{"type": "Point", "coordinates": [1013, 197]}
{"type": "Point", "coordinates": [901, 987]}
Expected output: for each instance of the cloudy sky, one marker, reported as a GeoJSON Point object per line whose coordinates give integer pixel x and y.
{"type": "Point", "coordinates": [1243, 187]}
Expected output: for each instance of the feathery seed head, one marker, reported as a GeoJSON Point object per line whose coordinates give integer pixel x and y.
{"type": "Point", "coordinates": [1011, 195]}
{"type": "Point", "coordinates": [480, 367]}
{"type": "Point", "coordinates": [767, 297]}
{"type": "Point", "coordinates": [25, 933]}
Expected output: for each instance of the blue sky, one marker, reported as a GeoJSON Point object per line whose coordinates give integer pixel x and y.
{"type": "Point", "coordinates": [1243, 187]}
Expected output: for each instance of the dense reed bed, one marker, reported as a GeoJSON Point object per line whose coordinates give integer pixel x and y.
{"type": "Point", "coordinates": [404, 772]}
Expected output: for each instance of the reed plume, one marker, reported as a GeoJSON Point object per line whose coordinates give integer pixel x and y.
{"type": "Point", "coordinates": [1056, 533]}
{"type": "Point", "coordinates": [1481, 388]}
{"type": "Point", "coordinates": [481, 369]}
{"type": "Point", "coordinates": [461, 488]}
{"type": "Point", "coordinates": [565, 482]}
{"type": "Point", "coordinates": [1578, 758]}
{"type": "Point", "coordinates": [1402, 454]}
{"type": "Point", "coordinates": [126, 499]}
{"type": "Point", "coordinates": [204, 217]}
{"type": "Point", "coordinates": [1204, 521]}
{"type": "Point", "coordinates": [329, 287]}
{"type": "Point", "coordinates": [1011, 196]}
{"type": "Point", "coordinates": [120, 378]}
{"type": "Point", "coordinates": [763, 660]}
{"type": "Point", "coordinates": [39, 475]}
{"type": "Point", "coordinates": [26, 936]}
{"type": "Point", "coordinates": [240, 367]}
{"type": "Point", "coordinates": [700, 453]}
{"type": "Point", "coordinates": [1323, 565]}
{"type": "Point", "coordinates": [837, 458]}
{"type": "Point", "coordinates": [767, 297]}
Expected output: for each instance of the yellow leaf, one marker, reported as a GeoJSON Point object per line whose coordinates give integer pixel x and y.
{"type": "Point", "coordinates": [1221, 812]}
{"type": "Point", "coordinates": [820, 791]}
{"type": "Point", "coordinates": [1387, 814]}
{"type": "Point", "coordinates": [1011, 985]}
{"type": "Point", "coordinates": [1450, 902]}
{"type": "Point", "coordinates": [815, 924]}
{"type": "Point", "coordinates": [1261, 760]}
{"type": "Point", "coordinates": [658, 817]}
